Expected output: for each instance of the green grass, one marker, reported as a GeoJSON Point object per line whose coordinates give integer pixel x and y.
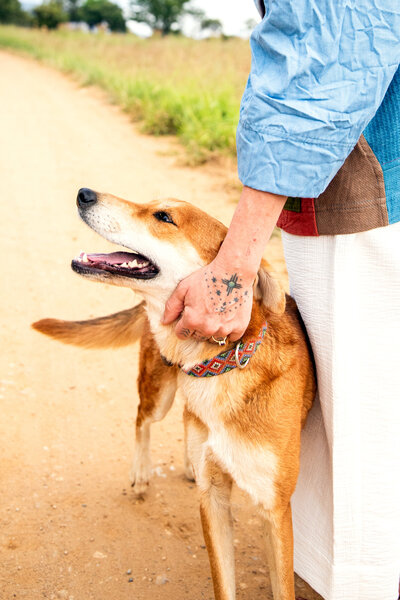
{"type": "Point", "coordinates": [173, 86]}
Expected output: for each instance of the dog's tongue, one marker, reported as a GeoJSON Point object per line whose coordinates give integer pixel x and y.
{"type": "Point", "coordinates": [114, 258]}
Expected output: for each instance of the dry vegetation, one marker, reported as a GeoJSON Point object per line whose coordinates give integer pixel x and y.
{"type": "Point", "coordinates": [173, 85]}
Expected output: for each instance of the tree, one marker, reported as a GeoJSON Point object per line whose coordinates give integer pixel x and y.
{"type": "Point", "coordinates": [50, 14]}
{"type": "Point", "coordinates": [161, 15]}
{"type": "Point", "coordinates": [214, 26]}
{"type": "Point", "coordinates": [94, 12]}
{"type": "Point", "coordinates": [73, 11]}
{"type": "Point", "coordinates": [11, 12]}
{"type": "Point", "coordinates": [250, 24]}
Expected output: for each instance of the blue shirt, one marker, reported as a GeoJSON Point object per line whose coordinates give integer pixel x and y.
{"type": "Point", "coordinates": [320, 70]}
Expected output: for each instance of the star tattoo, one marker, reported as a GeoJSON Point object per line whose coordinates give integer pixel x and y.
{"type": "Point", "coordinates": [231, 284]}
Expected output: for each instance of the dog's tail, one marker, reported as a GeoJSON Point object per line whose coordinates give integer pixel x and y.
{"type": "Point", "coordinates": [116, 330]}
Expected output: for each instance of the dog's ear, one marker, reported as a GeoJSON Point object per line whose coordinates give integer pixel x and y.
{"type": "Point", "coordinates": [269, 291]}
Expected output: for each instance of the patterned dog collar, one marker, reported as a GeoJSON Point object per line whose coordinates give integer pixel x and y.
{"type": "Point", "coordinates": [228, 360]}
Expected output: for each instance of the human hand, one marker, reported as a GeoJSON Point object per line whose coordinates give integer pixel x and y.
{"type": "Point", "coordinates": [214, 301]}
{"type": "Point", "coordinates": [217, 300]}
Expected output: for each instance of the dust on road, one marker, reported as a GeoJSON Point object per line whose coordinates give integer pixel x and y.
{"type": "Point", "coordinates": [70, 527]}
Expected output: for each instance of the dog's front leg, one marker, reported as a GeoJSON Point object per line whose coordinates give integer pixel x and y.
{"type": "Point", "coordinates": [216, 519]}
{"type": "Point", "coordinates": [279, 543]}
{"type": "Point", "coordinates": [156, 391]}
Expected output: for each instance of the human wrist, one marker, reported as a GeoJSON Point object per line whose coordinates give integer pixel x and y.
{"type": "Point", "coordinates": [252, 225]}
{"type": "Point", "coordinates": [236, 263]}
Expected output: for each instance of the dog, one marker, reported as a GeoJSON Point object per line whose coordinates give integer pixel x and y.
{"type": "Point", "coordinates": [244, 406]}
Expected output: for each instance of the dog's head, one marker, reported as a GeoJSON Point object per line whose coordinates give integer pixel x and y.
{"type": "Point", "coordinates": [166, 241]}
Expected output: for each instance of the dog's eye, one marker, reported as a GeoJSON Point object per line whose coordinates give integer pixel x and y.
{"type": "Point", "coordinates": [160, 215]}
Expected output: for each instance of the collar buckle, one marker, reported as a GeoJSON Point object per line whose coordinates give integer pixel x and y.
{"type": "Point", "coordinates": [228, 359]}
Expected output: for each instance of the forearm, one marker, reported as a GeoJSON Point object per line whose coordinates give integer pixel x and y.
{"type": "Point", "coordinates": [252, 225]}
{"type": "Point", "coordinates": [317, 79]}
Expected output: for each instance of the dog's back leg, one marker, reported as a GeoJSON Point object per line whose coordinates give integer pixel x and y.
{"type": "Point", "coordinates": [279, 543]}
{"type": "Point", "coordinates": [157, 386]}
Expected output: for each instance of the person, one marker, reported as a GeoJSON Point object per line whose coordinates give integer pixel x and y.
{"type": "Point", "coordinates": [319, 152]}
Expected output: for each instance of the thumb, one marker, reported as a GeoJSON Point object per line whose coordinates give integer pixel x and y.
{"type": "Point", "coordinates": [175, 304]}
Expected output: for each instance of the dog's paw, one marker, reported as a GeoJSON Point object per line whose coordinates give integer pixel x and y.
{"type": "Point", "coordinates": [188, 471]}
{"type": "Point", "coordinates": [140, 487]}
{"type": "Point", "coordinates": [140, 475]}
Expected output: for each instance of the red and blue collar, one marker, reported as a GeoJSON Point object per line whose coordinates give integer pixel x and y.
{"type": "Point", "coordinates": [224, 362]}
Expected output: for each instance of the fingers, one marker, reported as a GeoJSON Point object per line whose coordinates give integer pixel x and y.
{"type": "Point", "coordinates": [184, 333]}
{"type": "Point", "coordinates": [175, 304]}
{"type": "Point", "coordinates": [236, 334]}
{"type": "Point", "coordinates": [199, 336]}
{"type": "Point", "coordinates": [188, 326]}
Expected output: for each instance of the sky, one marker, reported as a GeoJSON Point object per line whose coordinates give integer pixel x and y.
{"type": "Point", "coordinates": [232, 13]}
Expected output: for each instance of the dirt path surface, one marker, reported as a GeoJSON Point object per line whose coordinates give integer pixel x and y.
{"type": "Point", "coordinates": [70, 525]}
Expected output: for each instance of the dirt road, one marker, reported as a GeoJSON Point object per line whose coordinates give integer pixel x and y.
{"type": "Point", "coordinates": [70, 525]}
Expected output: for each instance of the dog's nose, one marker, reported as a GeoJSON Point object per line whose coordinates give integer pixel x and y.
{"type": "Point", "coordinates": [86, 197]}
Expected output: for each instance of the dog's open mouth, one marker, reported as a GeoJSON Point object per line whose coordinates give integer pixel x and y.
{"type": "Point", "coordinates": [125, 264]}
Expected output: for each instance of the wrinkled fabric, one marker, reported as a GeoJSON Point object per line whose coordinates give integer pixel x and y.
{"type": "Point", "coordinates": [320, 71]}
{"type": "Point", "coordinates": [383, 135]}
{"type": "Point", "coordinates": [346, 517]}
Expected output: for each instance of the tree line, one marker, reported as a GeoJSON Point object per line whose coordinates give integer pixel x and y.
{"type": "Point", "coordinates": [161, 15]}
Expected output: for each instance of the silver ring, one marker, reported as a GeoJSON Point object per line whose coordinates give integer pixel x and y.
{"type": "Point", "coordinates": [238, 363]}
{"type": "Point", "coordinates": [221, 341]}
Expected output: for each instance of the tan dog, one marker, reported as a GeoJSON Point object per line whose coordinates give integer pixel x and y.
{"type": "Point", "coordinates": [242, 426]}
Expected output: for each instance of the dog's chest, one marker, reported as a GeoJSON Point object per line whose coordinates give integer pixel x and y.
{"type": "Point", "coordinates": [253, 466]}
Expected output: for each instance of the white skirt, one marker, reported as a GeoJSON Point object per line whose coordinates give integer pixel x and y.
{"type": "Point", "coordinates": [346, 507]}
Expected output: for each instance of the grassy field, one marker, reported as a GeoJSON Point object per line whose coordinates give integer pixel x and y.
{"type": "Point", "coordinates": [174, 85]}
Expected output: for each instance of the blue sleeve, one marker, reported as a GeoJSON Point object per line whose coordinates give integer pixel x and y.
{"type": "Point", "coordinates": [320, 69]}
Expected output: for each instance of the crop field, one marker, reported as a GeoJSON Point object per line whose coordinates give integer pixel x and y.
{"type": "Point", "coordinates": [173, 85]}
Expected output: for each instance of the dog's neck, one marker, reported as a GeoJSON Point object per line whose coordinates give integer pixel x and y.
{"type": "Point", "coordinates": [180, 352]}
{"type": "Point", "coordinates": [190, 352]}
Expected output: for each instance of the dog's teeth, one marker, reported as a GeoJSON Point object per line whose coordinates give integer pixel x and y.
{"type": "Point", "coordinates": [85, 258]}
{"type": "Point", "coordinates": [124, 264]}
{"type": "Point", "coordinates": [132, 264]}
{"type": "Point", "coordinates": [145, 263]}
